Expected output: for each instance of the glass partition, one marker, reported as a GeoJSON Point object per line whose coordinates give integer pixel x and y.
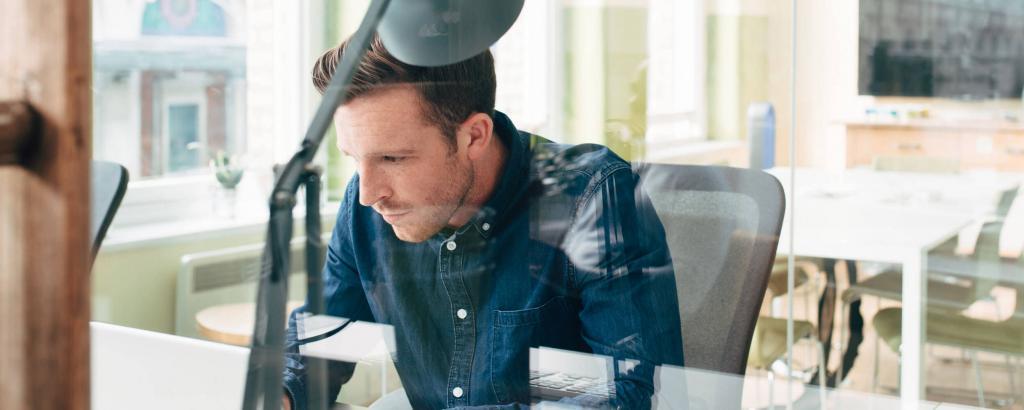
{"type": "Point", "coordinates": [699, 204]}
{"type": "Point", "coordinates": [906, 178]}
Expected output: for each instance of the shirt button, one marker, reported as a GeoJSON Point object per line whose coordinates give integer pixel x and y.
{"type": "Point", "coordinates": [451, 245]}
{"type": "Point", "coordinates": [461, 313]}
{"type": "Point", "coordinates": [457, 392]}
{"type": "Point", "coordinates": [486, 226]}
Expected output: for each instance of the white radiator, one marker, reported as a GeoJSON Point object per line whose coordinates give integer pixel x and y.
{"type": "Point", "coordinates": [229, 275]}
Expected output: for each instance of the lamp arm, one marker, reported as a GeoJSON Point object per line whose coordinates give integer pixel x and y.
{"type": "Point", "coordinates": [263, 383]}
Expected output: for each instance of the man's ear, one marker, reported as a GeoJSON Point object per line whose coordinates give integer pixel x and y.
{"type": "Point", "coordinates": [475, 134]}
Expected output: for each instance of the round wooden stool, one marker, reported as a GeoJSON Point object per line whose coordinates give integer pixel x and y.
{"type": "Point", "coordinates": [233, 323]}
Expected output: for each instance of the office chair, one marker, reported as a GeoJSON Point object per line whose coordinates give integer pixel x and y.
{"type": "Point", "coordinates": [108, 183]}
{"type": "Point", "coordinates": [947, 328]}
{"type": "Point", "coordinates": [769, 341]}
{"type": "Point", "coordinates": [952, 286]}
{"type": "Point", "coordinates": [722, 227]}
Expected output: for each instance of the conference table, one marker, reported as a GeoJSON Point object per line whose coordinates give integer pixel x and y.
{"type": "Point", "coordinates": [887, 217]}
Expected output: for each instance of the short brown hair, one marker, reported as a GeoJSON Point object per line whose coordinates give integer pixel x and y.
{"type": "Point", "coordinates": [452, 93]}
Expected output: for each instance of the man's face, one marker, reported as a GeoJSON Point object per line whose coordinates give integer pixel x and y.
{"type": "Point", "coordinates": [408, 172]}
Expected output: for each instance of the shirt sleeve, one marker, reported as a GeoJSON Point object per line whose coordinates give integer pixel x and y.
{"type": "Point", "coordinates": [622, 269]}
{"type": "Point", "coordinates": [343, 297]}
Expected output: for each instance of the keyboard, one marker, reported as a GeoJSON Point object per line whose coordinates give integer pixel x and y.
{"type": "Point", "coordinates": [551, 385]}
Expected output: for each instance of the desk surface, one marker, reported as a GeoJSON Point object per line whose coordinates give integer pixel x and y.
{"type": "Point", "coordinates": [893, 217]}
{"type": "Point", "coordinates": [133, 368]}
{"type": "Point", "coordinates": [881, 216]}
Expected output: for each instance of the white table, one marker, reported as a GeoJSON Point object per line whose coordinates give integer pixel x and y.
{"type": "Point", "coordinates": [891, 217]}
{"type": "Point", "coordinates": [696, 389]}
{"type": "Point", "coordinates": [133, 368]}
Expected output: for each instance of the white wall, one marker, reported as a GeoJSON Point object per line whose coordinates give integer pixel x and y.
{"type": "Point", "coordinates": [826, 78]}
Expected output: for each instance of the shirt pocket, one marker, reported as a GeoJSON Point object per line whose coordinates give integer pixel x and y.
{"type": "Point", "coordinates": [513, 332]}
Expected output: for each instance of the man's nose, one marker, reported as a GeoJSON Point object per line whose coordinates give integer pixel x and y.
{"type": "Point", "coordinates": [373, 188]}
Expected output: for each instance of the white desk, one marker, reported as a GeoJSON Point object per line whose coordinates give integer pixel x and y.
{"type": "Point", "coordinates": [891, 217]}
{"type": "Point", "coordinates": [134, 368]}
{"type": "Point", "coordinates": [695, 389]}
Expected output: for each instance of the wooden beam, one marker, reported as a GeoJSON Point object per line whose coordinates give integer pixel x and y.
{"type": "Point", "coordinates": [18, 123]}
{"type": "Point", "coordinates": [45, 46]}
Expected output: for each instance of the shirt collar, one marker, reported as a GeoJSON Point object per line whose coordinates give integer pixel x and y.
{"type": "Point", "coordinates": [514, 177]}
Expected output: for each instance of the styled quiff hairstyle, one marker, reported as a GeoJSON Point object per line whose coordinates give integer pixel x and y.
{"type": "Point", "coordinates": [451, 93]}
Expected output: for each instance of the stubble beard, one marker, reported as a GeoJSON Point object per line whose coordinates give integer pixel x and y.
{"type": "Point", "coordinates": [437, 218]}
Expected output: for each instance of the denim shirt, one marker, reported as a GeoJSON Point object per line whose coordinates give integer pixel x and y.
{"type": "Point", "coordinates": [567, 253]}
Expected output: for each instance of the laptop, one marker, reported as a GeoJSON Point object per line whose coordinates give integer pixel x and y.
{"type": "Point", "coordinates": [139, 369]}
{"type": "Point", "coordinates": [560, 374]}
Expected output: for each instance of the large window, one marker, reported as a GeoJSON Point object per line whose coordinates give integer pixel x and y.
{"type": "Point", "coordinates": [183, 86]}
{"type": "Point", "coordinates": [674, 75]}
{"type": "Point", "coordinates": [169, 83]}
{"type": "Point", "coordinates": [572, 71]}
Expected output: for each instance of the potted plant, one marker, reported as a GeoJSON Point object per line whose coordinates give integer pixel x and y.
{"type": "Point", "coordinates": [228, 170]}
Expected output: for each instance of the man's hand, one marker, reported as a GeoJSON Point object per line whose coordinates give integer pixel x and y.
{"type": "Point", "coordinates": [286, 403]}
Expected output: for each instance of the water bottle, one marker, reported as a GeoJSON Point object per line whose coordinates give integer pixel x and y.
{"type": "Point", "coordinates": [761, 135]}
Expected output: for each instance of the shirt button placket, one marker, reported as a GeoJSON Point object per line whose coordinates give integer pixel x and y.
{"type": "Point", "coordinates": [465, 339]}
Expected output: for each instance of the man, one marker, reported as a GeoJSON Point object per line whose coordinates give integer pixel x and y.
{"type": "Point", "coordinates": [476, 241]}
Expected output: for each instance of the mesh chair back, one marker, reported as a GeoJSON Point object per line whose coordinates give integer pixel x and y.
{"type": "Point", "coordinates": [722, 226]}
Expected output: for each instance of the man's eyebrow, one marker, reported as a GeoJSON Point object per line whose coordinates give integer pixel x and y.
{"type": "Point", "coordinates": [391, 153]}
{"type": "Point", "coordinates": [382, 153]}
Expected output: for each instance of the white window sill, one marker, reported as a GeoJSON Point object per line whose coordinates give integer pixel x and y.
{"type": "Point", "coordinates": [251, 220]}
{"type": "Point", "coordinates": [252, 214]}
{"type": "Point", "coordinates": [188, 208]}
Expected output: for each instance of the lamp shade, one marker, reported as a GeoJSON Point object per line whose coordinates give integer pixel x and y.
{"type": "Point", "coordinates": [433, 33]}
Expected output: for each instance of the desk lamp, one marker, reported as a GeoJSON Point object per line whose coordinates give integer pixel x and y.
{"type": "Point", "coordinates": [417, 32]}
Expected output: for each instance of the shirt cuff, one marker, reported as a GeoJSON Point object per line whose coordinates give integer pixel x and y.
{"type": "Point", "coordinates": [295, 390]}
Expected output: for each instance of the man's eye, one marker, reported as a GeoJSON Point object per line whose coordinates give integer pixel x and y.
{"type": "Point", "coordinates": [393, 159]}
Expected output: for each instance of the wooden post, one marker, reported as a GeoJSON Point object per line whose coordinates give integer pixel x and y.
{"type": "Point", "coordinates": [45, 47]}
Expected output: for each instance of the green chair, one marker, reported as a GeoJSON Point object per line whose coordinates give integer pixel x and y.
{"type": "Point", "coordinates": [948, 291]}
{"type": "Point", "coordinates": [946, 327]}
{"type": "Point", "coordinates": [777, 280]}
{"type": "Point", "coordinates": [769, 341]}
{"type": "Point", "coordinates": [1005, 337]}
{"type": "Point", "coordinates": [769, 345]}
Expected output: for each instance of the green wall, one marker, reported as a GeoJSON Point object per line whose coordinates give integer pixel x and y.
{"type": "Point", "coordinates": [136, 287]}
{"type": "Point", "coordinates": [605, 76]}
{"type": "Point", "coordinates": [737, 74]}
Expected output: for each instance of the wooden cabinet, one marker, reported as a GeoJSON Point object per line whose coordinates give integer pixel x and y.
{"type": "Point", "coordinates": [1009, 151]}
{"type": "Point", "coordinates": [989, 146]}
